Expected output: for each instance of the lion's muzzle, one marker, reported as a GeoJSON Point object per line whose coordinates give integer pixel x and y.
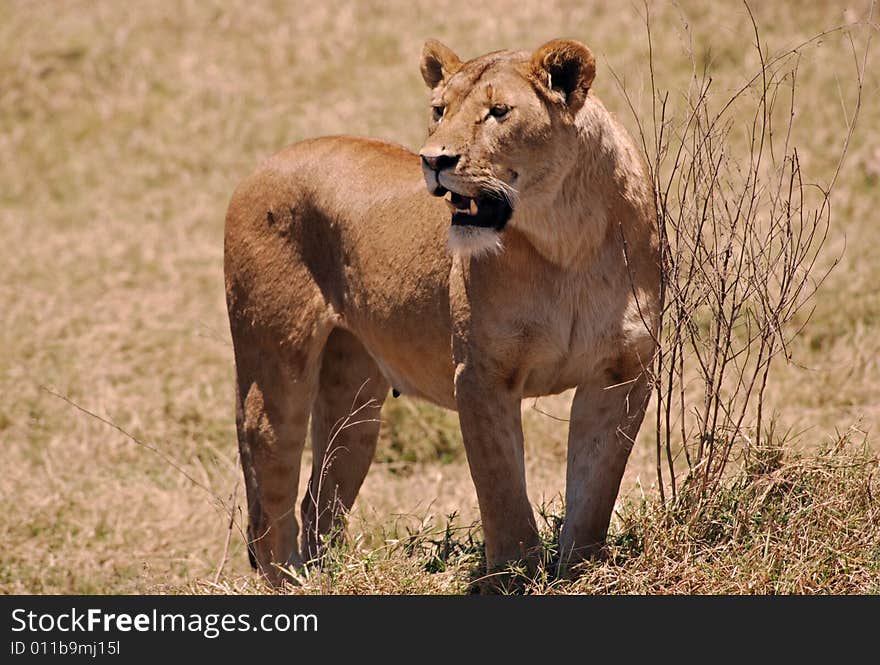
{"type": "Point", "coordinates": [432, 165]}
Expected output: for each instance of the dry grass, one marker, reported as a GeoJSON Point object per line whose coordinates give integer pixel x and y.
{"type": "Point", "coordinates": [125, 128]}
{"type": "Point", "coordinates": [780, 525]}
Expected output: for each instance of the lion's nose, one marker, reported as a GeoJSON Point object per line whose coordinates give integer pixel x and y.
{"type": "Point", "coordinates": [439, 161]}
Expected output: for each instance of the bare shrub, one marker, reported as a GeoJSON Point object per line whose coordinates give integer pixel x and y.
{"type": "Point", "coordinates": [741, 235]}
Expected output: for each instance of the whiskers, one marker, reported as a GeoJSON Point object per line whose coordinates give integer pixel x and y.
{"type": "Point", "coordinates": [501, 189]}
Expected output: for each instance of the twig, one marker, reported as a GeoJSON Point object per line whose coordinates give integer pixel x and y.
{"type": "Point", "coordinates": [225, 556]}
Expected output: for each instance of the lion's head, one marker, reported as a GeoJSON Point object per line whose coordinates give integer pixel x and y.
{"type": "Point", "coordinates": [502, 133]}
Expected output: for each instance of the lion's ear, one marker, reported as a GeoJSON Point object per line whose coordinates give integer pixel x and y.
{"type": "Point", "coordinates": [565, 66]}
{"type": "Point", "coordinates": [438, 63]}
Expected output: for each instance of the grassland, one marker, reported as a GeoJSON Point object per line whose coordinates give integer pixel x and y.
{"type": "Point", "coordinates": [124, 128]}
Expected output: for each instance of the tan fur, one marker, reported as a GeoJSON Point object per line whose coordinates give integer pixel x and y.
{"type": "Point", "coordinates": [339, 283]}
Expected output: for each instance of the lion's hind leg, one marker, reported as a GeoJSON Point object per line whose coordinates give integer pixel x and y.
{"type": "Point", "coordinates": [276, 389]}
{"type": "Point", "coordinates": [345, 428]}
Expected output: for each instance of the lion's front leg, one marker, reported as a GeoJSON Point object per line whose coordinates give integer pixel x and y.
{"type": "Point", "coordinates": [605, 418]}
{"type": "Point", "coordinates": [491, 427]}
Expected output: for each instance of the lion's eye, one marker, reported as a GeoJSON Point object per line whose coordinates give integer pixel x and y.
{"type": "Point", "coordinates": [499, 111]}
{"type": "Point", "coordinates": [438, 112]}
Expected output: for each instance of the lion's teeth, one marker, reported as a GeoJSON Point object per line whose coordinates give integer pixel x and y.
{"type": "Point", "coordinates": [462, 205]}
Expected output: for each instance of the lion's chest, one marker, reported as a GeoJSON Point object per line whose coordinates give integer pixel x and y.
{"type": "Point", "coordinates": [568, 335]}
{"type": "Point", "coordinates": [565, 351]}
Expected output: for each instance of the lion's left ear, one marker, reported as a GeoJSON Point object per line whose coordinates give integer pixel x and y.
{"type": "Point", "coordinates": [565, 66]}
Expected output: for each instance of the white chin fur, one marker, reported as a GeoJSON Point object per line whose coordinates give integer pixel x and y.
{"type": "Point", "coordinates": [473, 241]}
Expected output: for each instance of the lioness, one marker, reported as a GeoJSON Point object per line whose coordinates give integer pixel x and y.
{"type": "Point", "coordinates": [528, 266]}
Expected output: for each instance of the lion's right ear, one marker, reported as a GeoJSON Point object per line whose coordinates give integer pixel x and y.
{"type": "Point", "coordinates": [438, 63]}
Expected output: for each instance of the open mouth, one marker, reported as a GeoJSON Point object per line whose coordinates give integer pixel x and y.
{"type": "Point", "coordinates": [487, 211]}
